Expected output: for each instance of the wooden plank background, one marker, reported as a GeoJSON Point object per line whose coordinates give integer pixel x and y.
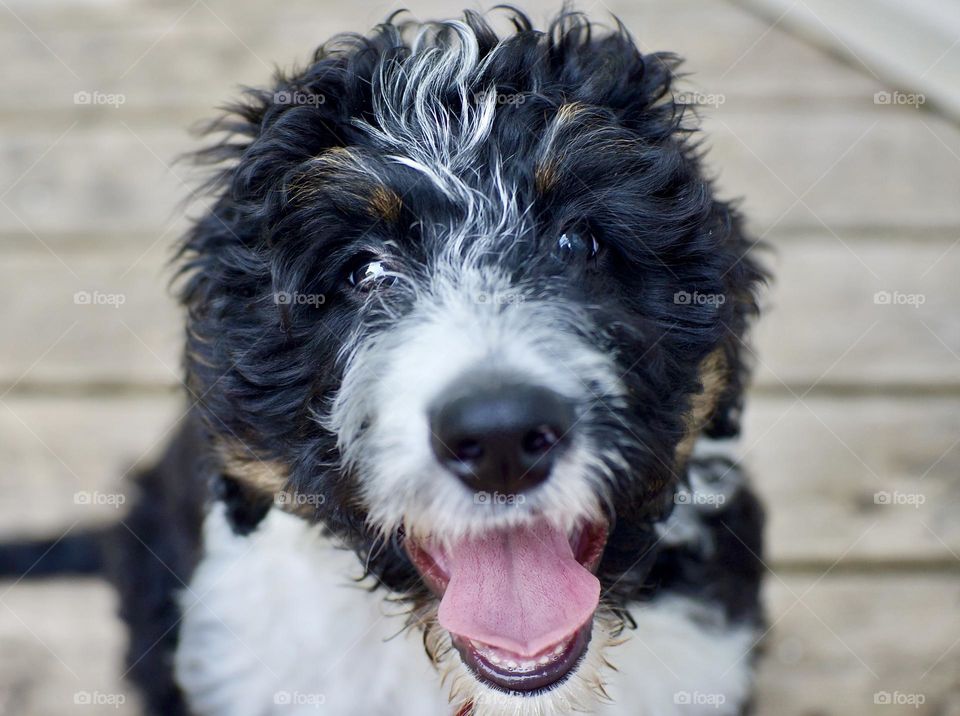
{"type": "Point", "coordinates": [853, 430]}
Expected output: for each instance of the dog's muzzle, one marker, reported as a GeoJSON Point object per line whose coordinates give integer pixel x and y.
{"type": "Point", "coordinates": [518, 601]}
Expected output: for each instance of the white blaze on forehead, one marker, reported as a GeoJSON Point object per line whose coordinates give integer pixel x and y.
{"type": "Point", "coordinates": [432, 114]}
{"type": "Point", "coordinates": [429, 106]}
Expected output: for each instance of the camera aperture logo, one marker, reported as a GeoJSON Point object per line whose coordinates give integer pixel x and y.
{"type": "Point", "coordinates": [294, 298]}
{"type": "Point", "coordinates": [299, 698]}
{"type": "Point", "coordinates": [298, 499]}
{"type": "Point", "coordinates": [99, 298]}
{"type": "Point", "coordinates": [699, 698]}
{"type": "Point", "coordinates": [702, 99]}
{"type": "Point", "coordinates": [899, 698]}
{"type": "Point", "coordinates": [110, 99]}
{"type": "Point", "coordinates": [898, 98]}
{"type": "Point", "coordinates": [708, 499]}
{"type": "Point", "coordinates": [516, 98]}
{"type": "Point", "coordinates": [483, 497]}
{"type": "Point", "coordinates": [95, 498]}
{"type": "Point", "coordinates": [695, 298]}
{"type": "Point", "coordinates": [899, 298]}
{"type": "Point", "coordinates": [299, 98]}
{"type": "Point", "coordinates": [899, 499]}
{"type": "Point", "coordinates": [501, 299]}
{"type": "Point", "coordinates": [98, 698]}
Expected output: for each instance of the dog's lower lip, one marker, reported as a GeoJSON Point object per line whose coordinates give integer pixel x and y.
{"type": "Point", "coordinates": [526, 675]}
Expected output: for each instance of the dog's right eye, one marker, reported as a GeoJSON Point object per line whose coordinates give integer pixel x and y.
{"type": "Point", "coordinates": [576, 244]}
{"type": "Point", "coordinates": [370, 274]}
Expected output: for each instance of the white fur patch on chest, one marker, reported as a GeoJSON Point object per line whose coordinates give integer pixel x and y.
{"type": "Point", "coordinates": [274, 625]}
{"type": "Point", "coordinates": [681, 660]}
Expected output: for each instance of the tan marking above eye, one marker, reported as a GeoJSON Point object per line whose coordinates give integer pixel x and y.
{"type": "Point", "coordinates": [385, 204]}
{"type": "Point", "coordinates": [545, 177]}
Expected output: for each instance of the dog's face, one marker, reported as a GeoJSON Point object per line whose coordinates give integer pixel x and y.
{"type": "Point", "coordinates": [469, 302]}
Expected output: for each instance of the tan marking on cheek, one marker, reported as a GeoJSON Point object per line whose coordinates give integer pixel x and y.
{"type": "Point", "coordinates": [269, 478]}
{"type": "Point", "coordinates": [714, 375]}
{"type": "Point", "coordinates": [265, 476]}
{"type": "Point", "coordinates": [385, 204]}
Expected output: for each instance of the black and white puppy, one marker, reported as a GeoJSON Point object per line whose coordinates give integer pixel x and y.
{"type": "Point", "coordinates": [465, 328]}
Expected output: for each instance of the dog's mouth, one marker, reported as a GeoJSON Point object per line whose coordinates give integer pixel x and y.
{"type": "Point", "coordinates": [518, 602]}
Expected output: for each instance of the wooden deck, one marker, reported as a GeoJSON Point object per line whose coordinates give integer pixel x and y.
{"type": "Point", "coordinates": [857, 399]}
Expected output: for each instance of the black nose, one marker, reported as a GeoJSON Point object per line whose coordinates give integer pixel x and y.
{"type": "Point", "coordinates": [500, 436]}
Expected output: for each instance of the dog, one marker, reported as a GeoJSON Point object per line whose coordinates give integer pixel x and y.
{"type": "Point", "coordinates": [466, 356]}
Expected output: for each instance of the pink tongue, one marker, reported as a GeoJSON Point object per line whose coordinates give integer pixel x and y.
{"type": "Point", "coordinates": [519, 589]}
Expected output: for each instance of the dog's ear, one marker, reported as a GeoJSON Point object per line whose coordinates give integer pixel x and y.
{"type": "Point", "coordinates": [607, 69]}
{"type": "Point", "coordinates": [742, 278]}
{"type": "Point", "coordinates": [715, 408]}
{"type": "Point", "coordinates": [724, 422]}
{"type": "Point", "coordinates": [257, 146]}
{"type": "Point", "coordinates": [259, 141]}
{"type": "Point", "coordinates": [226, 276]}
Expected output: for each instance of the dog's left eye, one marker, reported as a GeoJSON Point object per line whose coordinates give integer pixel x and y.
{"type": "Point", "coordinates": [369, 275]}
{"type": "Point", "coordinates": [576, 245]}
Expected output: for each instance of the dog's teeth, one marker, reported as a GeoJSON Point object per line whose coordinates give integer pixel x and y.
{"type": "Point", "coordinates": [544, 659]}
{"type": "Point", "coordinates": [495, 659]}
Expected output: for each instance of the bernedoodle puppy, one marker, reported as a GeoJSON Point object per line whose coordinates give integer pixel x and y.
{"type": "Point", "coordinates": [465, 357]}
